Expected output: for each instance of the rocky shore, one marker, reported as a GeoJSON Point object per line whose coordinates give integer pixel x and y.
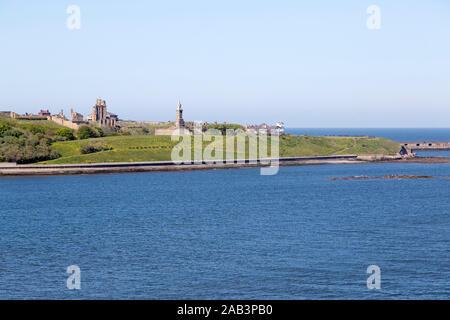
{"type": "Point", "coordinates": [393, 176]}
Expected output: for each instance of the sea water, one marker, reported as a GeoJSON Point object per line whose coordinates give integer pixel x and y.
{"type": "Point", "coordinates": [228, 234]}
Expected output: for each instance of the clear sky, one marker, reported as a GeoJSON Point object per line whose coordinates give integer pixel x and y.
{"type": "Point", "coordinates": [307, 63]}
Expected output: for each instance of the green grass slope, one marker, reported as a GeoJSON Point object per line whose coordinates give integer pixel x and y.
{"type": "Point", "coordinates": [44, 125]}
{"type": "Point", "coordinates": [159, 148]}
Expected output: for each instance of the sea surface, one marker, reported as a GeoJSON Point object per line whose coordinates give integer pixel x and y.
{"type": "Point", "coordinates": [228, 234]}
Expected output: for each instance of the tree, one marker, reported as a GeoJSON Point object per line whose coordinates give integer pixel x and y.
{"type": "Point", "coordinates": [65, 133]}
{"type": "Point", "coordinates": [86, 132]}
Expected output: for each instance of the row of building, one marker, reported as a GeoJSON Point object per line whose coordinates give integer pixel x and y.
{"type": "Point", "coordinates": [102, 118]}
{"type": "Point", "coordinates": [265, 128]}
{"type": "Point", "coordinates": [99, 117]}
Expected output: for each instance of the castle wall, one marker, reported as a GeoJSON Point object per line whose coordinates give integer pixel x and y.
{"type": "Point", "coordinates": [64, 123]}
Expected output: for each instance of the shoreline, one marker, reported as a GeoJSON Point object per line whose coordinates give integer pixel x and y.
{"type": "Point", "coordinates": [166, 166]}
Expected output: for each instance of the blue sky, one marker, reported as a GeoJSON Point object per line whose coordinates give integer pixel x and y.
{"type": "Point", "coordinates": [307, 63]}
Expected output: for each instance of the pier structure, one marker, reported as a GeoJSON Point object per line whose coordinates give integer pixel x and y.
{"type": "Point", "coordinates": [426, 146]}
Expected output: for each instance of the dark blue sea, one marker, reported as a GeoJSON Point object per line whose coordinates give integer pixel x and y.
{"type": "Point", "coordinates": [228, 234]}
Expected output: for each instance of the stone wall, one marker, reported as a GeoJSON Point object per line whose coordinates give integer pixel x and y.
{"type": "Point", "coordinates": [5, 113]}
{"type": "Point", "coordinates": [170, 131]}
{"type": "Point", "coordinates": [64, 123]}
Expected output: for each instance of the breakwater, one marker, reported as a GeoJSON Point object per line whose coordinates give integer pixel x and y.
{"type": "Point", "coordinates": [8, 169]}
{"type": "Point", "coordinates": [426, 146]}
{"type": "Point", "coordinates": [117, 167]}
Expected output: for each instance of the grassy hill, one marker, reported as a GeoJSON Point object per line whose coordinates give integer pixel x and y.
{"type": "Point", "coordinates": [28, 141]}
{"type": "Point", "coordinates": [43, 126]}
{"type": "Point", "coordinates": [322, 146]}
{"type": "Point", "coordinates": [158, 148]}
{"type": "Point", "coordinates": [124, 148]}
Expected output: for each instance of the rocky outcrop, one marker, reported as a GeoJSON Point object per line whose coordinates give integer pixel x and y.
{"type": "Point", "coordinates": [393, 176]}
{"type": "Point", "coordinates": [379, 157]}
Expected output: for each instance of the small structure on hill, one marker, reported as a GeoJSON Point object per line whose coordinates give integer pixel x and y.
{"type": "Point", "coordinates": [27, 116]}
{"type": "Point", "coordinates": [76, 117]}
{"type": "Point", "coordinates": [61, 115]}
{"type": "Point", "coordinates": [179, 122]}
{"type": "Point", "coordinates": [61, 119]}
{"type": "Point", "coordinates": [179, 128]}
{"type": "Point", "coordinates": [44, 113]}
{"type": "Point", "coordinates": [266, 129]}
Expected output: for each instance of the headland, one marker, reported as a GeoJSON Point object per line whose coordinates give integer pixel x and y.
{"type": "Point", "coordinates": [46, 144]}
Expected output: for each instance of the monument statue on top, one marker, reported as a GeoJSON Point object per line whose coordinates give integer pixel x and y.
{"type": "Point", "coordinates": [179, 122]}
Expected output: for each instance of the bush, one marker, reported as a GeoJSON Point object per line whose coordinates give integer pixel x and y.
{"type": "Point", "coordinates": [25, 142]}
{"type": "Point", "coordinates": [34, 128]}
{"type": "Point", "coordinates": [4, 126]}
{"type": "Point", "coordinates": [100, 132]}
{"type": "Point", "coordinates": [26, 149]}
{"type": "Point", "coordinates": [65, 133]}
{"type": "Point", "coordinates": [13, 133]}
{"type": "Point", "coordinates": [86, 132]}
{"type": "Point", "coordinates": [95, 147]}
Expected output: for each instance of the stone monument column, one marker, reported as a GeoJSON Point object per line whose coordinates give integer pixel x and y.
{"type": "Point", "coordinates": [179, 123]}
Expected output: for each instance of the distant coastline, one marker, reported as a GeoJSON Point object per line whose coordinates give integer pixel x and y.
{"type": "Point", "coordinates": [394, 134]}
